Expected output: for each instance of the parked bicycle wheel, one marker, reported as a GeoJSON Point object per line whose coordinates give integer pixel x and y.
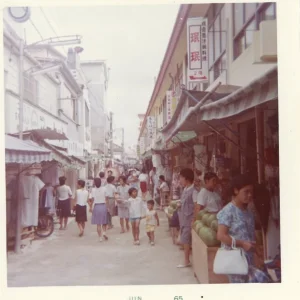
{"type": "Point", "coordinates": [45, 226]}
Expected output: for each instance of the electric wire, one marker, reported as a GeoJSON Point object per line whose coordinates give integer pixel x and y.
{"type": "Point", "coordinates": [39, 33]}
{"type": "Point", "coordinates": [51, 26]}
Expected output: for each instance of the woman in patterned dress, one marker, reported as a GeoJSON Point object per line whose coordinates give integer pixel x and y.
{"type": "Point", "coordinates": [236, 221]}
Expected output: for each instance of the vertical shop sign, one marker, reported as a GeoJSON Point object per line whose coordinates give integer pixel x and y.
{"type": "Point", "coordinates": [169, 105]}
{"type": "Point", "coordinates": [197, 50]}
{"type": "Point", "coordinates": [150, 126]}
{"type": "Point", "coordinates": [142, 145]}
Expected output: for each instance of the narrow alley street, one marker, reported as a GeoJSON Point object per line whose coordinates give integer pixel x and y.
{"type": "Point", "coordinates": [68, 260]}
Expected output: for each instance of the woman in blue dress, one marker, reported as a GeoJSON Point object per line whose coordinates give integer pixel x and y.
{"type": "Point", "coordinates": [237, 220]}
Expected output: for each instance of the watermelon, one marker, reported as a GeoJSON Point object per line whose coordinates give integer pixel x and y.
{"type": "Point", "coordinates": [195, 223]}
{"type": "Point", "coordinates": [205, 218]}
{"type": "Point", "coordinates": [173, 204]}
{"type": "Point", "coordinates": [209, 237]}
{"type": "Point", "coordinates": [200, 214]}
{"type": "Point", "coordinates": [214, 225]}
{"type": "Point", "coordinates": [211, 218]}
{"type": "Point", "coordinates": [199, 226]}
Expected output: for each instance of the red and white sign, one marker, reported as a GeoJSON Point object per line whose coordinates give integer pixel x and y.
{"type": "Point", "coordinates": [197, 36]}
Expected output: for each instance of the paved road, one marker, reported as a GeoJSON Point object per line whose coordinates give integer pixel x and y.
{"type": "Point", "coordinates": [64, 259]}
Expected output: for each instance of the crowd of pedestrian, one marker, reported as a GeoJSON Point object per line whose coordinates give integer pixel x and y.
{"type": "Point", "coordinates": [127, 197]}
{"type": "Point", "coordinates": [139, 195]}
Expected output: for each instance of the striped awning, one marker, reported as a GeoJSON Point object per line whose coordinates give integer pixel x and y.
{"type": "Point", "coordinates": [24, 152]}
{"type": "Point", "coordinates": [259, 91]}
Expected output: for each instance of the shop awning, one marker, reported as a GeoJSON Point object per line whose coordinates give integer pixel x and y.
{"type": "Point", "coordinates": [199, 95]}
{"type": "Point", "coordinates": [184, 136]}
{"type": "Point", "coordinates": [45, 134]}
{"type": "Point", "coordinates": [259, 91]}
{"type": "Point", "coordinates": [24, 152]}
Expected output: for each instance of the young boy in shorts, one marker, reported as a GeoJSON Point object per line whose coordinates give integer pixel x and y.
{"type": "Point", "coordinates": [151, 221]}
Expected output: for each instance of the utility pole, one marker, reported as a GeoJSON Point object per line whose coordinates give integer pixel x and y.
{"type": "Point", "coordinates": [123, 147]}
{"type": "Point", "coordinates": [20, 181]}
{"type": "Point", "coordinates": [111, 138]}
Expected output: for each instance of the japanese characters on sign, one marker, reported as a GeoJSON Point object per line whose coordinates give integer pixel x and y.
{"type": "Point", "coordinates": [169, 100]}
{"type": "Point", "coordinates": [142, 145]}
{"type": "Point", "coordinates": [197, 50]}
{"type": "Point", "coordinates": [150, 126]}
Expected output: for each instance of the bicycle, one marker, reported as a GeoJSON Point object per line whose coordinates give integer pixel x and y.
{"type": "Point", "coordinates": [45, 225]}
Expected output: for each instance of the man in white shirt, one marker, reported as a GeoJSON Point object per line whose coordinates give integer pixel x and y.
{"type": "Point", "coordinates": [208, 198]}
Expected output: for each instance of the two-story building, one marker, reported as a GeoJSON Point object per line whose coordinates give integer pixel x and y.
{"type": "Point", "coordinates": [227, 121]}
{"type": "Point", "coordinates": [53, 107]}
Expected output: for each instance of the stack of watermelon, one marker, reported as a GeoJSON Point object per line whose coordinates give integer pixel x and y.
{"type": "Point", "coordinates": [206, 227]}
{"type": "Point", "coordinates": [171, 208]}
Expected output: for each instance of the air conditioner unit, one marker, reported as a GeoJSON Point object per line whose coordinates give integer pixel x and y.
{"type": "Point", "coordinates": [265, 42]}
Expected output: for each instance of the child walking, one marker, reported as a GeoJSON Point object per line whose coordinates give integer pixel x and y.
{"type": "Point", "coordinates": [136, 206]}
{"type": "Point", "coordinates": [151, 221]}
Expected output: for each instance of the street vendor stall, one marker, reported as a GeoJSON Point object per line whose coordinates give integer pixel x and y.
{"type": "Point", "coordinates": [20, 212]}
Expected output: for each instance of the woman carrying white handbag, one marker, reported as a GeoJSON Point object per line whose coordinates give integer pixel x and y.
{"type": "Point", "coordinates": [236, 231]}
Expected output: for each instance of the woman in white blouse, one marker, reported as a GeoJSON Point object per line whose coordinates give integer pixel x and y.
{"type": "Point", "coordinates": [63, 193]}
{"type": "Point", "coordinates": [164, 191]}
{"type": "Point", "coordinates": [81, 200]}
{"type": "Point", "coordinates": [99, 201]}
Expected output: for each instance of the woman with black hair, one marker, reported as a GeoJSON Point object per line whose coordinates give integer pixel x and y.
{"type": "Point", "coordinates": [111, 202]}
{"type": "Point", "coordinates": [236, 223]}
{"type": "Point", "coordinates": [208, 198]}
{"type": "Point", "coordinates": [99, 201]}
{"type": "Point", "coordinates": [123, 210]}
{"type": "Point", "coordinates": [164, 191]}
{"type": "Point", "coordinates": [63, 193]}
{"type": "Point", "coordinates": [81, 200]}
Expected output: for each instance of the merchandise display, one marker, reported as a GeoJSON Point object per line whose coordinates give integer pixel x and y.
{"type": "Point", "coordinates": [206, 226]}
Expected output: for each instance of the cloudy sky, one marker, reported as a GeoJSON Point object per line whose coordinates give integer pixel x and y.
{"type": "Point", "coordinates": [133, 40]}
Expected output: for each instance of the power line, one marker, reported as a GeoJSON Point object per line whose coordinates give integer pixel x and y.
{"type": "Point", "coordinates": [36, 29]}
{"type": "Point", "coordinates": [52, 28]}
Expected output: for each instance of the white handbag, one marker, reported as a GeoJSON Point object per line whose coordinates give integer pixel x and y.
{"type": "Point", "coordinates": [231, 261]}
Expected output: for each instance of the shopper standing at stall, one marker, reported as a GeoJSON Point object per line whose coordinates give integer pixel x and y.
{"type": "Point", "coordinates": [236, 223]}
{"type": "Point", "coordinates": [208, 198]}
{"type": "Point", "coordinates": [164, 191]}
{"type": "Point", "coordinates": [187, 214]}
{"type": "Point", "coordinates": [63, 193]}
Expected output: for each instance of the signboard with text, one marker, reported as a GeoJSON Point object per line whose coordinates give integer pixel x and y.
{"type": "Point", "coordinates": [197, 50]}
{"type": "Point", "coordinates": [150, 126]}
{"type": "Point", "coordinates": [169, 100]}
